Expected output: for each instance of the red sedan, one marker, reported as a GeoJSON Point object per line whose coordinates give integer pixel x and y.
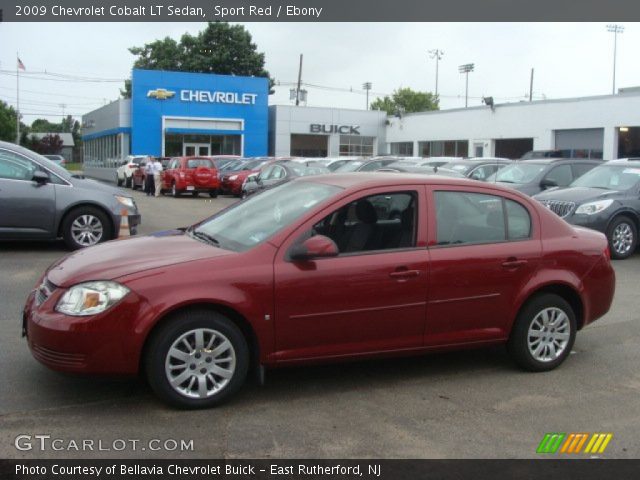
{"type": "Point", "coordinates": [324, 268]}
{"type": "Point", "coordinates": [191, 175]}
{"type": "Point", "coordinates": [233, 180]}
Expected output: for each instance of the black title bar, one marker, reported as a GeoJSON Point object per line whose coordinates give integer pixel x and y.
{"type": "Point", "coordinates": [317, 10]}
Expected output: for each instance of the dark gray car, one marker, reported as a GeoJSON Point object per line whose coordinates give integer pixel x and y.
{"type": "Point", "coordinates": [534, 176]}
{"type": "Point", "coordinates": [606, 199]}
{"type": "Point", "coordinates": [42, 201]}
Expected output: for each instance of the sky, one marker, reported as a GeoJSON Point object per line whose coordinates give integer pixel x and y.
{"type": "Point", "coordinates": [570, 60]}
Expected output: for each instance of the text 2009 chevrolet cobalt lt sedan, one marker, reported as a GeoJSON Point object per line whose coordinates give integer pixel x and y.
{"type": "Point", "coordinates": [328, 267]}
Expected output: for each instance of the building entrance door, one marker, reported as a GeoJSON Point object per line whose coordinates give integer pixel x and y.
{"type": "Point", "coordinates": [196, 149]}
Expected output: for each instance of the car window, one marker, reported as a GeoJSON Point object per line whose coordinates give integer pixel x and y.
{"type": "Point", "coordinates": [266, 172]}
{"type": "Point", "coordinates": [16, 167]}
{"type": "Point", "coordinates": [610, 177]}
{"type": "Point", "coordinates": [468, 218]}
{"type": "Point", "coordinates": [580, 169]}
{"type": "Point", "coordinates": [277, 173]}
{"type": "Point", "coordinates": [518, 221]}
{"type": "Point", "coordinates": [376, 222]}
{"type": "Point", "coordinates": [371, 166]}
{"type": "Point", "coordinates": [560, 175]}
{"type": "Point", "coordinates": [481, 173]}
{"type": "Point", "coordinates": [199, 162]}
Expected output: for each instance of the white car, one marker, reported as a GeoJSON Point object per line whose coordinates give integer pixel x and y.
{"type": "Point", "coordinates": [128, 165]}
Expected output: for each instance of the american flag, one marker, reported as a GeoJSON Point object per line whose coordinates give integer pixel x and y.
{"type": "Point", "coordinates": [20, 64]}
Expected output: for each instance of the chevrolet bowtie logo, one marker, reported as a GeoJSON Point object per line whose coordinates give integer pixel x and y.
{"type": "Point", "coordinates": [160, 94]}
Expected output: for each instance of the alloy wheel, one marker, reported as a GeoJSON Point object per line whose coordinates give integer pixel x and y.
{"type": "Point", "coordinates": [549, 334]}
{"type": "Point", "coordinates": [87, 230]}
{"type": "Point", "coordinates": [200, 363]}
{"type": "Point", "coordinates": [622, 238]}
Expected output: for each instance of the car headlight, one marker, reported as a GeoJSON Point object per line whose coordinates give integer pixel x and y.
{"type": "Point", "coordinates": [91, 298]}
{"type": "Point", "coordinates": [592, 208]}
{"type": "Point", "coordinates": [233, 177]}
{"type": "Point", "coordinates": [126, 201]}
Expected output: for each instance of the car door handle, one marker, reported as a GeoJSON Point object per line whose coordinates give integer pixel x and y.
{"type": "Point", "coordinates": [404, 274]}
{"type": "Point", "coordinates": [514, 263]}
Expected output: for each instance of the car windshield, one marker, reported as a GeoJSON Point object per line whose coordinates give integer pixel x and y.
{"type": "Point", "coordinates": [253, 221]}
{"type": "Point", "coordinates": [349, 167]}
{"type": "Point", "coordinates": [253, 164]}
{"type": "Point", "coordinates": [521, 172]}
{"type": "Point", "coordinates": [458, 167]}
{"type": "Point", "coordinates": [610, 177]}
{"type": "Point", "coordinates": [199, 162]}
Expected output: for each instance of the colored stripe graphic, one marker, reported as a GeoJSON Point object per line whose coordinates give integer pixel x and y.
{"type": "Point", "coordinates": [574, 443]}
{"type": "Point", "coordinates": [598, 442]}
{"type": "Point", "coordinates": [551, 442]}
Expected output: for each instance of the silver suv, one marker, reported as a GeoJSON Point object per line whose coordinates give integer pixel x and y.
{"type": "Point", "coordinates": [41, 201]}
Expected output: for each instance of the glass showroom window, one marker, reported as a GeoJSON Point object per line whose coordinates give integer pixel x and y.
{"type": "Point", "coordinates": [356, 146]}
{"type": "Point", "coordinates": [402, 148]}
{"type": "Point", "coordinates": [446, 148]}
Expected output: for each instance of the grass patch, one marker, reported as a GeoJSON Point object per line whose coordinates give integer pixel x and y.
{"type": "Point", "coordinates": [73, 166]}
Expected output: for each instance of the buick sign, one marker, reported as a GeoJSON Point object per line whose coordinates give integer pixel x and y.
{"type": "Point", "coordinates": [342, 129]}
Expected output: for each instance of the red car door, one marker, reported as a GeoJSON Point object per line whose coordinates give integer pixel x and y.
{"type": "Point", "coordinates": [483, 247]}
{"type": "Point", "coordinates": [370, 298]}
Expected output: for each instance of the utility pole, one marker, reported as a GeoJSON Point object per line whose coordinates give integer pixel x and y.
{"type": "Point", "coordinates": [367, 86]}
{"type": "Point", "coordinates": [437, 54]}
{"type": "Point", "coordinates": [466, 68]}
{"type": "Point", "coordinates": [299, 82]}
{"type": "Point", "coordinates": [615, 29]}
{"type": "Point", "coordinates": [17, 99]}
{"type": "Point", "coordinates": [531, 86]}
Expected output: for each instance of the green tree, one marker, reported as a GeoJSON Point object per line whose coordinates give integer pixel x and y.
{"type": "Point", "coordinates": [7, 122]}
{"type": "Point", "coordinates": [220, 48]}
{"type": "Point", "coordinates": [405, 100]}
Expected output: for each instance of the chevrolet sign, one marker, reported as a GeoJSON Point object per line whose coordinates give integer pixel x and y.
{"type": "Point", "coordinates": [160, 94]}
{"type": "Point", "coordinates": [205, 96]}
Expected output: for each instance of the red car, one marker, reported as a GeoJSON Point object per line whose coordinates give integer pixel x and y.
{"type": "Point", "coordinates": [138, 176]}
{"type": "Point", "coordinates": [332, 267]}
{"type": "Point", "coordinates": [232, 180]}
{"type": "Point", "coordinates": [191, 175]}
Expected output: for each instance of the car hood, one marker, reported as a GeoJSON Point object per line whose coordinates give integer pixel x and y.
{"type": "Point", "coordinates": [111, 260]}
{"type": "Point", "coordinates": [93, 185]}
{"type": "Point", "coordinates": [577, 194]}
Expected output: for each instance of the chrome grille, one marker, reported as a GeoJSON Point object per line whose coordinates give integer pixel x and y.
{"type": "Point", "coordinates": [44, 291]}
{"type": "Point", "coordinates": [560, 208]}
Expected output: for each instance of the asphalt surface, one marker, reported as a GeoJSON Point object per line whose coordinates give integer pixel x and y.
{"type": "Point", "coordinates": [472, 404]}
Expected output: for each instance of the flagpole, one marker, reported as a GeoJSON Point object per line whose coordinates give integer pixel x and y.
{"type": "Point", "coordinates": [17, 99]}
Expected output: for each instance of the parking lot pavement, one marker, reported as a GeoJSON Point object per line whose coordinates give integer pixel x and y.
{"type": "Point", "coordinates": [473, 404]}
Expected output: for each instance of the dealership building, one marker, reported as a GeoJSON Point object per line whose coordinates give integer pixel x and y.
{"type": "Point", "coordinates": [177, 113]}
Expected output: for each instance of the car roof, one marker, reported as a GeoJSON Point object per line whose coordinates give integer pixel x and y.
{"type": "Point", "coordinates": [634, 162]}
{"type": "Point", "coordinates": [382, 179]}
{"type": "Point", "coordinates": [547, 161]}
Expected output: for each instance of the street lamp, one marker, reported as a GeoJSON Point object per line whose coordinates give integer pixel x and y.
{"type": "Point", "coordinates": [367, 86]}
{"type": "Point", "coordinates": [466, 68]}
{"type": "Point", "coordinates": [615, 29]}
{"type": "Point", "coordinates": [437, 54]}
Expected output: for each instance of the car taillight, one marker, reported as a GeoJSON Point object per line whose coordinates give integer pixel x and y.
{"type": "Point", "coordinates": [133, 166]}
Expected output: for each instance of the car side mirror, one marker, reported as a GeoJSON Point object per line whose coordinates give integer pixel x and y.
{"type": "Point", "coordinates": [40, 177]}
{"type": "Point", "coordinates": [548, 183]}
{"type": "Point", "coordinates": [318, 246]}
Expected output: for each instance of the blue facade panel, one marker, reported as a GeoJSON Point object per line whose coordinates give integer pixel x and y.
{"type": "Point", "coordinates": [157, 94]}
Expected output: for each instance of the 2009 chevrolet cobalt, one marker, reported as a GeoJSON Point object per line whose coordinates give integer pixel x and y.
{"type": "Point", "coordinates": [329, 267]}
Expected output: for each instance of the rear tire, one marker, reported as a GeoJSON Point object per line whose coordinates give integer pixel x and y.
{"type": "Point", "coordinates": [543, 334]}
{"type": "Point", "coordinates": [118, 181]}
{"type": "Point", "coordinates": [213, 194]}
{"type": "Point", "coordinates": [197, 360]}
{"type": "Point", "coordinates": [175, 193]}
{"type": "Point", "coordinates": [84, 227]}
{"type": "Point", "coordinates": [622, 236]}
{"type": "Point", "coordinates": [128, 181]}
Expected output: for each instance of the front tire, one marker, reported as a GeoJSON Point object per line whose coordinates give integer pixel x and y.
{"type": "Point", "coordinates": [622, 235]}
{"type": "Point", "coordinates": [543, 333]}
{"type": "Point", "coordinates": [175, 193]}
{"type": "Point", "coordinates": [197, 360]}
{"type": "Point", "coordinates": [118, 180]}
{"type": "Point", "coordinates": [128, 182]}
{"type": "Point", "coordinates": [85, 227]}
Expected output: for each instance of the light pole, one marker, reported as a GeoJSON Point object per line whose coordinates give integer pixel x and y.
{"type": "Point", "coordinates": [615, 29]}
{"type": "Point", "coordinates": [366, 87]}
{"type": "Point", "coordinates": [437, 54]}
{"type": "Point", "coordinates": [466, 68]}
